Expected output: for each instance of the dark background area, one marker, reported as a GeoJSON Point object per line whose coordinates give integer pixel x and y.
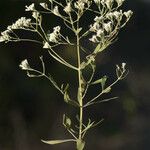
{"type": "Point", "coordinates": [31, 109]}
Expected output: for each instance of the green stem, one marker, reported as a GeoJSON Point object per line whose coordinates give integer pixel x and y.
{"type": "Point", "coordinates": [79, 89]}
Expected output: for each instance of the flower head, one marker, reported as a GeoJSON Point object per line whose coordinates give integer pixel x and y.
{"type": "Point", "coordinates": [128, 14]}
{"type": "Point", "coordinates": [108, 26]}
{"type": "Point", "coordinates": [25, 65]}
{"type": "Point", "coordinates": [30, 7]}
{"type": "Point", "coordinates": [94, 39]}
{"type": "Point", "coordinates": [46, 45]}
{"type": "Point", "coordinates": [108, 3]}
{"type": "Point", "coordinates": [119, 2]}
{"type": "Point", "coordinates": [68, 8]}
{"type": "Point", "coordinates": [5, 36]}
{"type": "Point", "coordinates": [35, 14]}
{"type": "Point", "coordinates": [54, 36]}
{"type": "Point", "coordinates": [44, 5]}
{"type": "Point", "coordinates": [56, 11]}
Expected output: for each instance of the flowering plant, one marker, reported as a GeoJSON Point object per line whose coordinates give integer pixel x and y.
{"type": "Point", "coordinates": [107, 21]}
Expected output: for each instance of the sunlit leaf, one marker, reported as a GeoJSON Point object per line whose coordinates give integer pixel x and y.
{"type": "Point", "coordinates": [53, 142]}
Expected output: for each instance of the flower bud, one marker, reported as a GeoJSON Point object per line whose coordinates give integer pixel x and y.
{"type": "Point", "coordinates": [68, 8]}
{"type": "Point", "coordinates": [128, 14]}
{"type": "Point", "coordinates": [108, 26]}
{"type": "Point", "coordinates": [25, 65]}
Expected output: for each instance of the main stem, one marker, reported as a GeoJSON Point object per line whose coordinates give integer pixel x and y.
{"type": "Point", "coordinates": [80, 143]}
{"type": "Point", "coordinates": [79, 90]}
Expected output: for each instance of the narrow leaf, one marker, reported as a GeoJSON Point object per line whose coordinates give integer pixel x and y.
{"type": "Point", "coordinates": [66, 121]}
{"type": "Point", "coordinates": [97, 81]}
{"type": "Point", "coordinates": [69, 101]}
{"type": "Point", "coordinates": [103, 82]}
{"type": "Point", "coordinates": [53, 142]}
{"type": "Point", "coordinates": [66, 88]}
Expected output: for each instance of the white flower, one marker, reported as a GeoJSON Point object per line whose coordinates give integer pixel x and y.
{"type": "Point", "coordinates": [128, 14]}
{"type": "Point", "coordinates": [108, 26]}
{"type": "Point", "coordinates": [20, 23]}
{"type": "Point", "coordinates": [25, 65]}
{"type": "Point", "coordinates": [53, 38]}
{"type": "Point", "coordinates": [56, 11]}
{"type": "Point", "coordinates": [80, 5]}
{"type": "Point", "coordinates": [100, 33]}
{"type": "Point", "coordinates": [123, 66]}
{"type": "Point", "coordinates": [94, 39]}
{"type": "Point", "coordinates": [98, 19]}
{"type": "Point", "coordinates": [35, 15]}
{"type": "Point", "coordinates": [117, 15]}
{"type": "Point", "coordinates": [97, 1]}
{"type": "Point", "coordinates": [94, 27]}
{"type": "Point", "coordinates": [56, 30]}
{"type": "Point", "coordinates": [5, 36]}
{"type": "Point", "coordinates": [108, 3]}
{"type": "Point", "coordinates": [30, 7]}
{"type": "Point", "coordinates": [46, 45]}
{"type": "Point", "coordinates": [68, 8]}
{"type": "Point", "coordinates": [44, 5]}
{"type": "Point", "coordinates": [120, 2]}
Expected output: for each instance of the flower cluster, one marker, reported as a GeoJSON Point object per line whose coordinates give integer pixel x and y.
{"type": "Point", "coordinates": [20, 23]}
{"type": "Point", "coordinates": [120, 70]}
{"type": "Point", "coordinates": [5, 36]}
{"type": "Point", "coordinates": [68, 8]}
{"type": "Point", "coordinates": [109, 3]}
{"type": "Point", "coordinates": [54, 36]}
{"type": "Point", "coordinates": [56, 11]}
{"type": "Point", "coordinates": [105, 26]}
{"type": "Point", "coordinates": [81, 4]}
{"type": "Point", "coordinates": [30, 7]}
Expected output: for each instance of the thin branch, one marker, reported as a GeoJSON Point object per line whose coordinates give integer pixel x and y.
{"type": "Point", "coordinates": [98, 102]}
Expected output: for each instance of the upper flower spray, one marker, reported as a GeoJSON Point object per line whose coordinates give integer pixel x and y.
{"type": "Point", "coordinates": [108, 20]}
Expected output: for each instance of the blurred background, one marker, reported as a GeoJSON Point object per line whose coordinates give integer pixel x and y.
{"type": "Point", "coordinates": [31, 109]}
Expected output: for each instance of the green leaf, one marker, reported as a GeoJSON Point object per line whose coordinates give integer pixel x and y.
{"type": "Point", "coordinates": [69, 101]}
{"type": "Point", "coordinates": [66, 97]}
{"type": "Point", "coordinates": [80, 144]}
{"type": "Point", "coordinates": [66, 121]}
{"type": "Point", "coordinates": [97, 81]}
{"type": "Point", "coordinates": [66, 88]}
{"type": "Point", "coordinates": [104, 79]}
{"type": "Point", "coordinates": [53, 142]}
